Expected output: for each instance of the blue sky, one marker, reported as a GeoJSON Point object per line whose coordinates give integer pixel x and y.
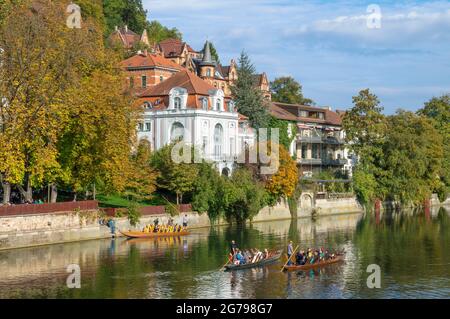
{"type": "Point", "coordinates": [326, 45]}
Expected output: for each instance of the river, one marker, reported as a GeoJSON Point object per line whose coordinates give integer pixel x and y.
{"type": "Point", "coordinates": [412, 250]}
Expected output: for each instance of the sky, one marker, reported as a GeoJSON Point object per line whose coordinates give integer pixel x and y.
{"type": "Point", "coordinates": [333, 48]}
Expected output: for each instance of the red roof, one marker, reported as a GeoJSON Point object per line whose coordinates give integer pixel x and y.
{"type": "Point", "coordinates": [174, 47]}
{"type": "Point", "coordinates": [185, 79]}
{"type": "Point", "coordinates": [150, 61]}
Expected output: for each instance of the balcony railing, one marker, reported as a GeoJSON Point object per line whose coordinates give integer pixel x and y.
{"type": "Point", "coordinates": [321, 140]}
{"type": "Point", "coordinates": [322, 161]}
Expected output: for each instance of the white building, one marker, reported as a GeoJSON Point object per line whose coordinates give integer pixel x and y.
{"type": "Point", "coordinates": [188, 108]}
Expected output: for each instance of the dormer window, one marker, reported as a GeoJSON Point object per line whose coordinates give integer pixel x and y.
{"type": "Point", "coordinates": [177, 103]}
{"type": "Point", "coordinates": [147, 106]}
{"type": "Point", "coordinates": [144, 81]}
{"type": "Point", "coordinates": [231, 107]}
{"type": "Point", "coordinates": [218, 105]}
{"type": "Point", "coordinates": [208, 73]}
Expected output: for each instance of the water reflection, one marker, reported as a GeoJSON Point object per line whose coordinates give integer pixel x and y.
{"type": "Point", "coordinates": [411, 249]}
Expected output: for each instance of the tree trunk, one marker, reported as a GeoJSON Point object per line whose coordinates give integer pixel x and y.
{"type": "Point", "coordinates": [53, 193]}
{"type": "Point", "coordinates": [28, 193]}
{"type": "Point", "coordinates": [6, 192]}
{"type": "Point", "coordinates": [178, 199]}
{"type": "Point", "coordinates": [94, 192]}
{"type": "Point", "coordinates": [75, 197]}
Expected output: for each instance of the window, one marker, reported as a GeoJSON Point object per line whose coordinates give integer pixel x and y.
{"type": "Point", "coordinates": [177, 132]}
{"type": "Point", "coordinates": [140, 127]}
{"type": "Point", "coordinates": [232, 148]}
{"type": "Point", "coordinates": [144, 81]}
{"type": "Point", "coordinates": [303, 113]}
{"type": "Point", "coordinates": [315, 151]}
{"type": "Point", "coordinates": [161, 78]}
{"type": "Point", "coordinates": [148, 127]}
{"type": "Point", "coordinates": [208, 73]}
{"type": "Point", "coordinates": [205, 144]}
{"type": "Point", "coordinates": [304, 151]}
{"type": "Point", "coordinates": [218, 105]}
{"type": "Point", "coordinates": [218, 140]}
{"type": "Point", "coordinates": [205, 104]}
{"type": "Point", "coordinates": [231, 107]}
{"type": "Point", "coordinates": [131, 82]}
{"type": "Point", "coordinates": [147, 105]}
{"type": "Point", "coordinates": [177, 103]}
{"type": "Point", "coordinates": [321, 116]}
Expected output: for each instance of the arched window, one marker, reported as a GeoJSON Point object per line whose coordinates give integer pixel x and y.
{"type": "Point", "coordinates": [218, 140]}
{"type": "Point", "coordinates": [205, 104]}
{"type": "Point", "coordinates": [177, 132]}
{"type": "Point", "coordinates": [177, 103]}
{"type": "Point", "coordinates": [218, 105]}
{"type": "Point", "coordinates": [208, 73]}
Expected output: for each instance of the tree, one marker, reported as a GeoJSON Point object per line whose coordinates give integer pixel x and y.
{"type": "Point", "coordinates": [249, 99]}
{"type": "Point", "coordinates": [125, 12]}
{"type": "Point", "coordinates": [141, 183]}
{"type": "Point", "coordinates": [287, 90]}
{"type": "Point", "coordinates": [283, 183]}
{"type": "Point", "coordinates": [177, 178]}
{"type": "Point", "coordinates": [438, 110]}
{"type": "Point", "coordinates": [157, 32]}
{"type": "Point", "coordinates": [42, 61]}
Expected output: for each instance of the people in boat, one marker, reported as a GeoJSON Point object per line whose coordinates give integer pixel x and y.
{"type": "Point", "coordinates": [266, 253]}
{"type": "Point", "coordinates": [300, 258]}
{"type": "Point", "coordinates": [240, 259]}
{"type": "Point", "coordinates": [233, 247]}
{"type": "Point", "coordinates": [290, 251]}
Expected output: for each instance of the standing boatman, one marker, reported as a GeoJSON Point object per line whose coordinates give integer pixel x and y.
{"type": "Point", "coordinates": [290, 251]}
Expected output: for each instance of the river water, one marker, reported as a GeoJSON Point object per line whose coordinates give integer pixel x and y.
{"type": "Point", "coordinates": [412, 250]}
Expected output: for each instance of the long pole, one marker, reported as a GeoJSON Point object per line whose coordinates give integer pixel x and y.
{"type": "Point", "coordinates": [289, 258]}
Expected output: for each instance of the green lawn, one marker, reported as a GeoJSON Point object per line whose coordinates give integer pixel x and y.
{"type": "Point", "coordinates": [118, 201]}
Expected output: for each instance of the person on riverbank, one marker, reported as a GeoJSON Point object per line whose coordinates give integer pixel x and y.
{"type": "Point", "coordinates": [290, 251]}
{"type": "Point", "coordinates": [185, 221]}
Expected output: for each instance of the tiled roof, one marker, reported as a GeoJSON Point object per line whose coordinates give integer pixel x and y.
{"type": "Point", "coordinates": [290, 112]}
{"type": "Point", "coordinates": [150, 60]}
{"type": "Point", "coordinates": [173, 47]}
{"type": "Point", "coordinates": [185, 79]}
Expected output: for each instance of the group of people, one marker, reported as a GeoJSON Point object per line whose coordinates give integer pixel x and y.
{"type": "Point", "coordinates": [170, 227]}
{"type": "Point", "coordinates": [242, 257]}
{"type": "Point", "coordinates": [310, 256]}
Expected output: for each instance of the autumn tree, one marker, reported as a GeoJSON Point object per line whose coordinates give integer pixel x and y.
{"type": "Point", "coordinates": [287, 90]}
{"type": "Point", "coordinates": [282, 184]}
{"type": "Point", "coordinates": [41, 60]}
{"type": "Point", "coordinates": [141, 183]}
{"type": "Point", "coordinates": [249, 99]}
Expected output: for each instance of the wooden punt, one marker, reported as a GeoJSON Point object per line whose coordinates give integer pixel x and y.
{"type": "Point", "coordinates": [338, 259]}
{"type": "Point", "coordinates": [140, 234]}
{"type": "Point", "coordinates": [263, 262]}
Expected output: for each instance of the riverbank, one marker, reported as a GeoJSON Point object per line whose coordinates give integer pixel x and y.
{"type": "Point", "coordinates": [22, 231]}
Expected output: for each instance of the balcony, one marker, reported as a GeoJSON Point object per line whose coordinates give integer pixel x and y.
{"type": "Point", "coordinates": [322, 161]}
{"type": "Point", "coordinates": [321, 140]}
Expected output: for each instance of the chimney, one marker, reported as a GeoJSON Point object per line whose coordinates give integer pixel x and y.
{"type": "Point", "coordinates": [126, 28]}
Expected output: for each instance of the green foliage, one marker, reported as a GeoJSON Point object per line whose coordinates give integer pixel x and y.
{"type": "Point", "coordinates": [133, 213]}
{"type": "Point", "coordinates": [238, 198]}
{"type": "Point", "coordinates": [287, 90]}
{"type": "Point", "coordinates": [157, 32]}
{"type": "Point", "coordinates": [438, 110]}
{"type": "Point", "coordinates": [249, 99]}
{"type": "Point", "coordinates": [400, 156]}
{"type": "Point", "coordinates": [283, 126]}
{"type": "Point", "coordinates": [125, 12]}
{"type": "Point", "coordinates": [176, 178]}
